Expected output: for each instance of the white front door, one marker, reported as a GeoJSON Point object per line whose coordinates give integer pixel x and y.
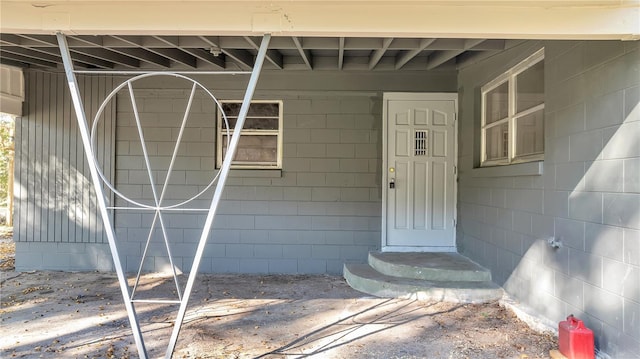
{"type": "Point", "coordinates": [420, 165]}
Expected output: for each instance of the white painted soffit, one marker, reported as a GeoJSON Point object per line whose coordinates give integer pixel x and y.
{"type": "Point", "coordinates": [524, 19]}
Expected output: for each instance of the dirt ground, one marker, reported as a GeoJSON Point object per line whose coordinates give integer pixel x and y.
{"type": "Point", "coordinates": [81, 315]}
{"type": "Point", "coordinates": [7, 249]}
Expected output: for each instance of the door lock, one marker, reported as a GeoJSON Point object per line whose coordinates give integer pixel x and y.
{"type": "Point", "coordinates": [392, 183]}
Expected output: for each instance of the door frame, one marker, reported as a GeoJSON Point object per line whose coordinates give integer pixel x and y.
{"type": "Point", "coordinates": [416, 96]}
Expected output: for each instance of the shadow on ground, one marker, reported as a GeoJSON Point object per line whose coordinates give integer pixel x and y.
{"type": "Point", "coordinates": [81, 315]}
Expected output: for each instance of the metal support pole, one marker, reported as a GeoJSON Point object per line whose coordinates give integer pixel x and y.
{"type": "Point", "coordinates": [100, 197]}
{"type": "Point", "coordinates": [217, 195]}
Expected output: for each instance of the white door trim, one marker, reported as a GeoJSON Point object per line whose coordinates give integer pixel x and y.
{"type": "Point", "coordinates": [391, 96]}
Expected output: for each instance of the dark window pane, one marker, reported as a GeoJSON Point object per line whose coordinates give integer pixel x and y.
{"type": "Point", "coordinates": [254, 123]}
{"type": "Point", "coordinates": [530, 134]}
{"type": "Point", "coordinates": [530, 87]}
{"type": "Point", "coordinates": [497, 142]}
{"type": "Point", "coordinates": [254, 150]}
{"type": "Point", "coordinates": [497, 103]}
{"type": "Point", "coordinates": [232, 109]}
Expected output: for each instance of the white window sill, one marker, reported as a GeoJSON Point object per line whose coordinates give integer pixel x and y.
{"type": "Point", "coordinates": [519, 169]}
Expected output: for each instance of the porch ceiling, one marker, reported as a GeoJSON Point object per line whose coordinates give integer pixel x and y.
{"type": "Point", "coordinates": [308, 34]}
{"type": "Point", "coordinates": [193, 53]}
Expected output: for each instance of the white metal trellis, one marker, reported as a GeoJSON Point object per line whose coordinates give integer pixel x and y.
{"type": "Point", "coordinates": [99, 179]}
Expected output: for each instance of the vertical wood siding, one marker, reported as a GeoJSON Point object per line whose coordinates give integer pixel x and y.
{"type": "Point", "coordinates": [55, 201]}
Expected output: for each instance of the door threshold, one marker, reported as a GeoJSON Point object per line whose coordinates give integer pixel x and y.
{"type": "Point", "coordinates": [450, 249]}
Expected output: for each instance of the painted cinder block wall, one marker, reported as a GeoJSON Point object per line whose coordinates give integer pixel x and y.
{"type": "Point", "coordinates": [587, 196]}
{"type": "Point", "coordinates": [321, 210]}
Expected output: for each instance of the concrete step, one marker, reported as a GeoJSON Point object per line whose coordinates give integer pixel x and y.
{"type": "Point", "coordinates": [364, 278]}
{"type": "Point", "coordinates": [428, 266]}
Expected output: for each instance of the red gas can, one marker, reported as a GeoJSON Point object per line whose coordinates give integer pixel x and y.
{"type": "Point", "coordinates": [575, 340]}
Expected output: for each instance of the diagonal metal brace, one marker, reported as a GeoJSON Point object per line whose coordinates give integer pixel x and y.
{"type": "Point", "coordinates": [217, 195]}
{"type": "Point", "coordinates": [102, 203]}
{"type": "Point", "coordinates": [76, 98]}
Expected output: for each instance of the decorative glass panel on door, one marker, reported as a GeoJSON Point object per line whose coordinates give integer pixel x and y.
{"type": "Point", "coordinates": [421, 142]}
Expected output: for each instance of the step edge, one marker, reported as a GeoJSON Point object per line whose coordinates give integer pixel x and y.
{"type": "Point", "coordinates": [400, 270]}
{"type": "Point", "coordinates": [392, 289]}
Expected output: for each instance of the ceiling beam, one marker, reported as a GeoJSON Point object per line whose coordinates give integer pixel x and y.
{"type": "Point", "coordinates": [407, 56]}
{"type": "Point", "coordinates": [160, 55]}
{"type": "Point", "coordinates": [206, 56]}
{"type": "Point", "coordinates": [13, 44]}
{"type": "Point", "coordinates": [377, 54]}
{"type": "Point", "coordinates": [78, 58]}
{"type": "Point", "coordinates": [210, 41]}
{"type": "Point", "coordinates": [441, 57]}
{"type": "Point", "coordinates": [30, 40]}
{"type": "Point", "coordinates": [50, 53]}
{"type": "Point", "coordinates": [12, 39]}
{"type": "Point", "coordinates": [242, 57]}
{"type": "Point", "coordinates": [305, 54]}
{"type": "Point", "coordinates": [187, 42]}
{"type": "Point", "coordinates": [91, 55]}
{"type": "Point", "coordinates": [32, 53]}
{"type": "Point", "coordinates": [472, 57]}
{"type": "Point", "coordinates": [273, 56]}
{"type": "Point", "coordinates": [25, 59]}
{"type": "Point", "coordinates": [141, 54]}
{"type": "Point", "coordinates": [120, 57]}
{"type": "Point", "coordinates": [176, 55]}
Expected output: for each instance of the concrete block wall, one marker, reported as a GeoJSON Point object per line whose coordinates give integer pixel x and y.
{"type": "Point", "coordinates": [321, 210]}
{"type": "Point", "coordinates": [587, 195]}
{"type": "Point", "coordinates": [63, 256]}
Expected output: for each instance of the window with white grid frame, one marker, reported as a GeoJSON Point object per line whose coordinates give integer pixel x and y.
{"type": "Point", "coordinates": [513, 114]}
{"type": "Point", "coordinates": [260, 145]}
